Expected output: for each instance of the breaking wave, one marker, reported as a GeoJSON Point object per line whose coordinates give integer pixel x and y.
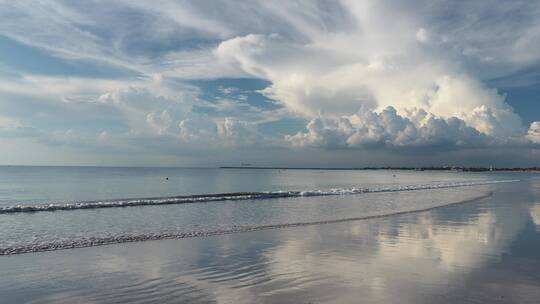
{"type": "Point", "coordinates": [232, 197]}
{"type": "Point", "coordinates": [130, 238]}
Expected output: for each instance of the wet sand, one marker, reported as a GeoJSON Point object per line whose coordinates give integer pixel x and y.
{"type": "Point", "coordinates": [485, 251]}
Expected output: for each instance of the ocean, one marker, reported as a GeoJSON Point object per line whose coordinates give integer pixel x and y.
{"type": "Point", "coordinates": [244, 234]}
{"type": "Point", "coordinates": [51, 208]}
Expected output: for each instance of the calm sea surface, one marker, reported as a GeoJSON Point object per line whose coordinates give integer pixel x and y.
{"type": "Point", "coordinates": [29, 185]}
{"type": "Point", "coordinates": [301, 236]}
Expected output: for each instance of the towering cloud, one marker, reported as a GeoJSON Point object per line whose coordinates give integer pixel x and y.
{"type": "Point", "coordinates": [376, 63]}
{"type": "Point", "coordinates": [388, 129]}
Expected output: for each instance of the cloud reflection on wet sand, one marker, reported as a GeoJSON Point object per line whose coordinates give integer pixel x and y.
{"type": "Point", "coordinates": [461, 253]}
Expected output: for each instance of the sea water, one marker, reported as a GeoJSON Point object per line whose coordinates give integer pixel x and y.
{"type": "Point", "coordinates": [51, 208]}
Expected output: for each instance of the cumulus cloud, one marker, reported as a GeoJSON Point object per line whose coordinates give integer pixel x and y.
{"type": "Point", "coordinates": [145, 109]}
{"type": "Point", "coordinates": [161, 122]}
{"type": "Point", "coordinates": [330, 75]}
{"type": "Point", "coordinates": [534, 132]}
{"type": "Point", "coordinates": [159, 114]}
{"type": "Point", "coordinates": [325, 86]}
{"type": "Point", "coordinates": [308, 81]}
{"type": "Point", "coordinates": [197, 129]}
{"type": "Point", "coordinates": [229, 132]}
{"type": "Point", "coordinates": [238, 132]}
{"type": "Point", "coordinates": [423, 35]}
{"type": "Point", "coordinates": [416, 128]}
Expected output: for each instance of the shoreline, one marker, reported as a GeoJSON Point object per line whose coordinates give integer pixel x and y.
{"type": "Point", "coordinates": [95, 242]}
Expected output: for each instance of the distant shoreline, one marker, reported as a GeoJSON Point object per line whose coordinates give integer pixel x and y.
{"type": "Point", "coordinates": [456, 169]}
{"type": "Point", "coordinates": [433, 168]}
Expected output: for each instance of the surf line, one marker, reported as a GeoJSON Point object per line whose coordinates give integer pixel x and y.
{"type": "Point", "coordinates": [93, 242]}
{"type": "Point", "coordinates": [238, 196]}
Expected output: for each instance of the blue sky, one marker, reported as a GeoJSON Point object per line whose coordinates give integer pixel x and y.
{"type": "Point", "coordinates": [283, 83]}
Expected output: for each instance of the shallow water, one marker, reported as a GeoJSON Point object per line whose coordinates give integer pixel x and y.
{"type": "Point", "coordinates": [31, 185]}
{"type": "Point", "coordinates": [484, 251]}
{"type": "Point", "coordinates": [324, 196]}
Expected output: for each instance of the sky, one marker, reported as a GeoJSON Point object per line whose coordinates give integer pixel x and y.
{"type": "Point", "coordinates": [348, 83]}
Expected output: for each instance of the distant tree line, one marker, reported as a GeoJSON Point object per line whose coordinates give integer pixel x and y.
{"type": "Point", "coordinates": [431, 168]}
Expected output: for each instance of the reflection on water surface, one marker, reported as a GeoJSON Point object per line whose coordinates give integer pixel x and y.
{"type": "Point", "coordinates": [486, 251]}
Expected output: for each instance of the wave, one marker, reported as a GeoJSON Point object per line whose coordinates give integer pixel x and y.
{"type": "Point", "coordinates": [204, 198]}
{"type": "Point", "coordinates": [131, 238]}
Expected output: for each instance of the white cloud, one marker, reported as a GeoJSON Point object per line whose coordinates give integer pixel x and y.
{"type": "Point", "coordinates": [67, 88]}
{"type": "Point", "coordinates": [197, 129]}
{"type": "Point", "coordinates": [414, 128]}
{"type": "Point", "coordinates": [183, 15]}
{"type": "Point", "coordinates": [150, 109]}
{"type": "Point", "coordinates": [226, 90]}
{"type": "Point", "coordinates": [161, 122]}
{"type": "Point", "coordinates": [229, 132]}
{"type": "Point", "coordinates": [423, 35]}
{"type": "Point", "coordinates": [371, 66]}
{"type": "Point", "coordinates": [534, 132]}
{"type": "Point", "coordinates": [158, 113]}
{"type": "Point", "coordinates": [237, 132]}
{"type": "Point", "coordinates": [306, 82]}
